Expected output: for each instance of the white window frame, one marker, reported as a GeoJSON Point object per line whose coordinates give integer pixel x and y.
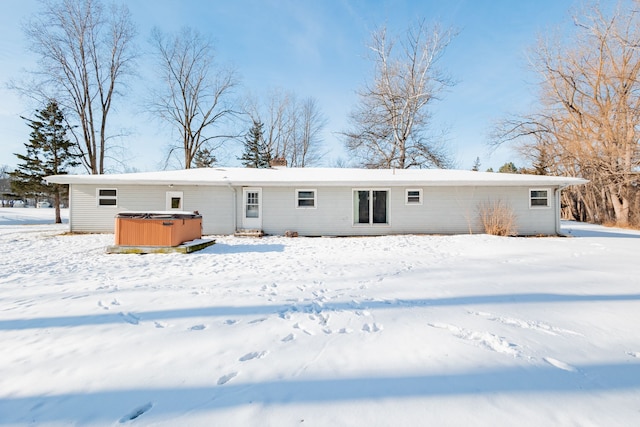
{"type": "Point", "coordinates": [175, 195]}
{"type": "Point", "coordinates": [100, 197]}
{"type": "Point", "coordinates": [307, 190]}
{"type": "Point", "coordinates": [548, 198]}
{"type": "Point", "coordinates": [406, 196]}
{"type": "Point", "coordinates": [370, 223]}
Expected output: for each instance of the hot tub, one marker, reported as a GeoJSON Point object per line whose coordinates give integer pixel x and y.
{"type": "Point", "coordinates": [157, 228]}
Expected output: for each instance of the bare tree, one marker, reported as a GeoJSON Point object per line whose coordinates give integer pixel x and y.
{"type": "Point", "coordinates": [292, 128]}
{"type": "Point", "coordinates": [311, 123]}
{"type": "Point", "coordinates": [390, 124]}
{"type": "Point", "coordinates": [85, 54]}
{"type": "Point", "coordinates": [588, 121]}
{"type": "Point", "coordinates": [196, 92]}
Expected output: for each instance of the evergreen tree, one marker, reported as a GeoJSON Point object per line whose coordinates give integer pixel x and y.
{"type": "Point", "coordinates": [204, 158]}
{"type": "Point", "coordinates": [476, 165]}
{"type": "Point", "coordinates": [49, 152]}
{"type": "Point", "coordinates": [508, 168]}
{"type": "Point", "coordinates": [542, 162]}
{"type": "Point", "coordinates": [256, 153]}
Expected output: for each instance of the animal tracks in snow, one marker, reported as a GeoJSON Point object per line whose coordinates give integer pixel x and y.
{"type": "Point", "coordinates": [482, 339]}
{"type": "Point", "coordinates": [502, 345]}
{"type": "Point", "coordinates": [372, 327]}
{"type": "Point", "coordinates": [253, 355]}
{"type": "Point", "coordinates": [136, 413]}
{"type": "Point", "coordinates": [130, 318]}
{"type": "Point", "coordinates": [107, 306]}
{"type": "Point", "coordinates": [560, 364]}
{"type": "Point", "coordinates": [524, 324]}
{"type": "Point", "coordinates": [226, 378]}
{"type": "Point", "coordinates": [288, 338]}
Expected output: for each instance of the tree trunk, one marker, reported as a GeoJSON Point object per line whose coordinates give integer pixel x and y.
{"type": "Point", "coordinates": [620, 207]}
{"type": "Point", "coordinates": [56, 205]}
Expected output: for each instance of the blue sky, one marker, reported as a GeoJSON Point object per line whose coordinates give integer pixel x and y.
{"type": "Point", "coordinates": [318, 49]}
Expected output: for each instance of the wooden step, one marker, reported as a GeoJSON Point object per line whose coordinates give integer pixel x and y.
{"type": "Point", "coordinates": [245, 232]}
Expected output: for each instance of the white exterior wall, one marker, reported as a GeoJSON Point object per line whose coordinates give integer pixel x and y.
{"type": "Point", "coordinates": [444, 210]}
{"type": "Point", "coordinates": [215, 204]}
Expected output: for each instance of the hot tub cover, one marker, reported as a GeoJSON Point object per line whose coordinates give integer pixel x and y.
{"type": "Point", "coordinates": [159, 215]}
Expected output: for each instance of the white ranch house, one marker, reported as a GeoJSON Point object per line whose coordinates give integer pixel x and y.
{"type": "Point", "coordinates": [319, 201]}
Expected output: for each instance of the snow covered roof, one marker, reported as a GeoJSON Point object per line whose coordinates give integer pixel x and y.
{"type": "Point", "coordinates": [318, 177]}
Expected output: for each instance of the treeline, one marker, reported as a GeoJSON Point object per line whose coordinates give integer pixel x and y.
{"type": "Point", "coordinates": [587, 122]}
{"type": "Point", "coordinates": [87, 55]}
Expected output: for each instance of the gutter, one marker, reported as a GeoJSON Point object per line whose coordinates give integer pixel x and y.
{"type": "Point", "coordinates": [556, 194]}
{"type": "Point", "coordinates": [234, 205]}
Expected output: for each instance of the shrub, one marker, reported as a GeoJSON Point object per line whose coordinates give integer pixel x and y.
{"type": "Point", "coordinates": [497, 218]}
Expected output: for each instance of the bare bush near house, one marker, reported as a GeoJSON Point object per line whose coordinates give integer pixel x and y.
{"type": "Point", "coordinates": [497, 218]}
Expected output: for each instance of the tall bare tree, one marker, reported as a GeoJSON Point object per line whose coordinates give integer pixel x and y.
{"type": "Point", "coordinates": [389, 127]}
{"type": "Point", "coordinates": [292, 128]}
{"type": "Point", "coordinates": [588, 122]}
{"type": "Point", "coordinates": [196, 92]}
{"type": "Point", "coordinates": [85, 54]}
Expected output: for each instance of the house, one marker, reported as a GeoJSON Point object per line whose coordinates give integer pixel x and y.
{"type": "Point", "coordinates": [319, 201]}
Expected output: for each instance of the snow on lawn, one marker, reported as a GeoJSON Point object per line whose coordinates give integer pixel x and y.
{"type": "Point", "coordinates": [398, 330]}
{"type": "Point", "coordinates": [22, 216]}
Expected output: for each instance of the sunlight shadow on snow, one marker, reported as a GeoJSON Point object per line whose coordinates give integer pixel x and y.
{"type": "Point", "coordinates": [55, 408]}
{"type": "Point", "coordinates": [280, 309]}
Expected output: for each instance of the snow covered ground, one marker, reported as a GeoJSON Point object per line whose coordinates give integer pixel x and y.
{"type": "Point", "coordinates": [400, 330]}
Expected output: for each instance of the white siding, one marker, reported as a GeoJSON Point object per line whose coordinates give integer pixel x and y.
{"type": "Point", "coordinates": [215, 204]}
{"type": "Point", "coordinates": [444, 210]}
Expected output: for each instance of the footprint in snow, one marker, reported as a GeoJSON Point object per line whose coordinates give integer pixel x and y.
{"type": "Point", "coordinates": [288, 338]}
{"type": "Point", "coordinates": [635, 354]}
{"type": "Point", "coordinates": [560, 365]}
{"type": "Point", "coordinates": [130, 318]}
{"type": "Point", "coordinates": [230, 322]}
{"type": "Point", "coordinates": [140, 410]}
{"type": "Point", "coordinates": [226, 378]}
{"type": "Point", "coordinates": [253, 355]}
{"type": "Point", "coordinates": [372, 327]}
{"type": "Point", "coordinates": [198, 327]}
{"type": "Point", "coordinates": [160, 325]}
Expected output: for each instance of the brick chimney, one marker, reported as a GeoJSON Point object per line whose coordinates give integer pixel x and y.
{"type": "Point", "coordinates": [278, 163]}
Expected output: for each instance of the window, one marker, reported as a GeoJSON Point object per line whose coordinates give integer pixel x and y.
{"type": "Point", "coordinates": [107, 197]}
{"type": "Point", "coordinates": [414, 197]}
{"type": "Point", "coordinates": [252, 205]}
{"type": "Point", "coordinates": [539, 198]}
{"type": "Point", "coordinates": [174, 200]}
{"type": "Point", "coordinates": [305, 199]}
{"type": "Point", "coordinates": [371, 207]}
